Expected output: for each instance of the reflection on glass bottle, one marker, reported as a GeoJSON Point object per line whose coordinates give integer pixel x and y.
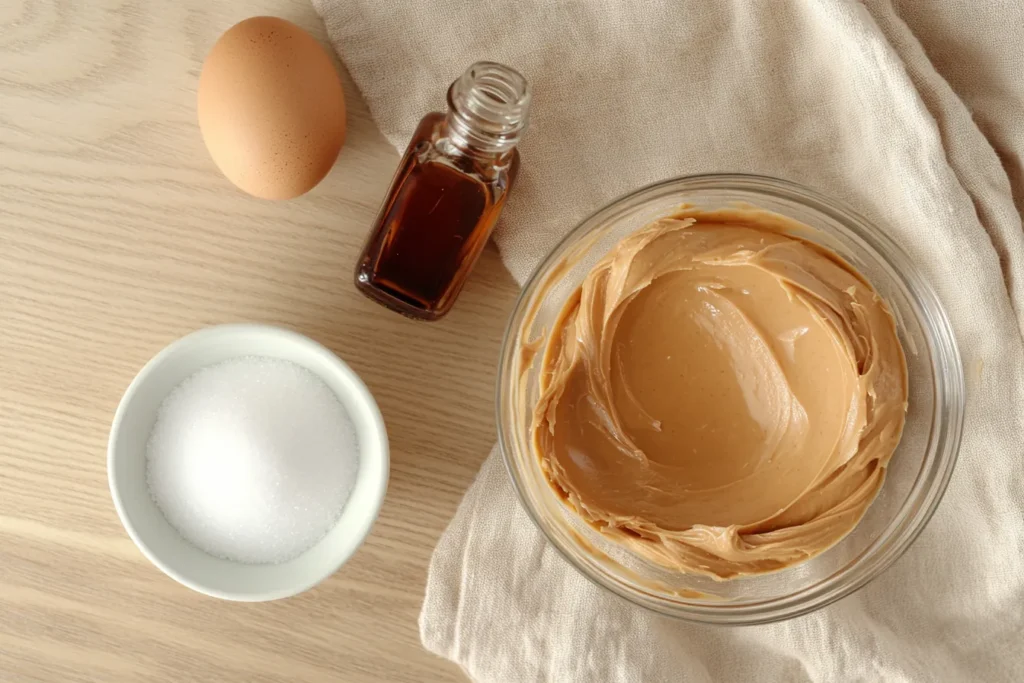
{"type": "Point", "coordinates": [447, 194]}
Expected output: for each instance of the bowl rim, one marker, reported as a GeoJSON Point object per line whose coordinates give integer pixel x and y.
{"type": "Point", "coordinates": [947, 372]}
{"type": "Point", "coordinates": [361, 394]}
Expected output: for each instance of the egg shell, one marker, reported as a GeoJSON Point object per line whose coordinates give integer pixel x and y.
{"type": "Point", "coordinates": [271, 108]}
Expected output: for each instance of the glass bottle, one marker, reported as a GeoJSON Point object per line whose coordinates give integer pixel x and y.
{"type": "Point", "coordinates": [447, 194]}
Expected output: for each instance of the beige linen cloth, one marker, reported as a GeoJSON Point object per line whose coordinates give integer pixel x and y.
{"type": "Point", "coordinates": [911, 111]}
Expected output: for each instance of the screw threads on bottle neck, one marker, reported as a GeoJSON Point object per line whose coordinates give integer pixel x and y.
{"type": "Point", "coordinates": [488, 109]}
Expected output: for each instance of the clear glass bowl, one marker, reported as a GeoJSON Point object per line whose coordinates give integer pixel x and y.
{"type": "Point", "coordinates": [918, 472]}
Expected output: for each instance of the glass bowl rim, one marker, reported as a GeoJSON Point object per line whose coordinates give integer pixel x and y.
{"type": "Point", "coordinates": [944, 438]}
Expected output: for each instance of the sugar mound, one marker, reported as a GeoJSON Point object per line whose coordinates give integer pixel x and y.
{"type": "Point", "coordinates": [252, 459]}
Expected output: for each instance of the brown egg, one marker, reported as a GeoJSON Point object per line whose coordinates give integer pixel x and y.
{"type": "Point", "coordinates": [271, 108]}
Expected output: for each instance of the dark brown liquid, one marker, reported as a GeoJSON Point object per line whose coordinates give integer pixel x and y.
{"type": "Point", "coordinates": [433, 226]}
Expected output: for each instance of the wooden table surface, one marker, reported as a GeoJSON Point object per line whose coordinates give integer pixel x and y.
{"type": "Point", "coordinates": [118, 235]}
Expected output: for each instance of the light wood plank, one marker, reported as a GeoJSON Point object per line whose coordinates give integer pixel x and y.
{"type": "Point", "coordinates": [118, 235]}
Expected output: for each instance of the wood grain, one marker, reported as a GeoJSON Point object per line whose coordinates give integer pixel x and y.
{"type": "Point", "coordinates": [118, 235]}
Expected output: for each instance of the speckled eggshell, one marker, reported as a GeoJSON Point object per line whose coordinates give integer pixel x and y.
{"type": "Point", "coordinates": [271, 108]}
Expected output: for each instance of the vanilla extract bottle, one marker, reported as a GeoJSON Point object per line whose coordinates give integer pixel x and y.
{"type": "Point", "coordinates": [447, 194]}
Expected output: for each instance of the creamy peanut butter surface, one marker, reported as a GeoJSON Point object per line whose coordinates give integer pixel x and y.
{"type": "Point", "coordinates": [720, 395]}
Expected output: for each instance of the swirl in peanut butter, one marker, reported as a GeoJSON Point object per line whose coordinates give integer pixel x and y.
{"type": "Point", "coordinates": [720, 395]}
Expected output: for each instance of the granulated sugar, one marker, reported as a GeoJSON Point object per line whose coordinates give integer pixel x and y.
{"type": "Point", "coordinates": [252, 459]}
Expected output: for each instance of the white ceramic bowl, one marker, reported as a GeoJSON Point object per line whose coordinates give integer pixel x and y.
{"type": "Point", "coordinates": [161, 543]}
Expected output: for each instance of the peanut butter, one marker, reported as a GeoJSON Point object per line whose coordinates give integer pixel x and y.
{"type": "Point", "coordinates": [721, 395]}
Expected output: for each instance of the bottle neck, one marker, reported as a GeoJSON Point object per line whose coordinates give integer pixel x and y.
{"type": "Point", "coordinates": [488, 110]}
